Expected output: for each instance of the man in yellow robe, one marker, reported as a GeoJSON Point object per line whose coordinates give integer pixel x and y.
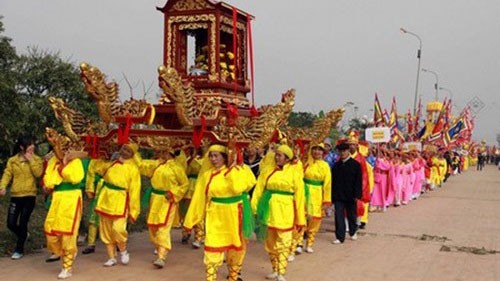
{"type": "Point", "coordinates": [168, 185]}
{"type": "Point", "coordinates": [220, 198]}
{"type": "Point", "coordinates": [279, 202]}
{"type": "Point", "coordinates": [118, 200]}
{"type": "Point", "coordinates": [62, 178]}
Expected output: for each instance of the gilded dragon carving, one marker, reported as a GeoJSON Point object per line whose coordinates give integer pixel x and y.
{"type": "Point", "coordinates": [74, 123]}
{"type": "Point", "coordinates": [261, 129]}
{"type": "Point", "coordinates": [175, 91]}
{"type": "Point", "coordinates": [321, 126]}
{"type": "Point", "coordinates": [106, 96]}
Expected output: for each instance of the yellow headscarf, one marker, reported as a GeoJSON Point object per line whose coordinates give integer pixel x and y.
{"type": "Point", "coordinates": [218, 148]}
{"type": "Point", "coordinates": [286, 150]}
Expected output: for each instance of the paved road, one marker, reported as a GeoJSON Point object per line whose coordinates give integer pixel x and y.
{"type": "Point", "coordinates": [452, 233]}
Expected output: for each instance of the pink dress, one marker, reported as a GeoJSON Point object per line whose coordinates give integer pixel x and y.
{"type": "Point", "coordinates": [417, 184]}
{"type": "Point", "coordinates": [407, 186]}
{"type": "Point", "coordinates": [396, 176]}
{"type": "Point", "coordinates": [381, 182]}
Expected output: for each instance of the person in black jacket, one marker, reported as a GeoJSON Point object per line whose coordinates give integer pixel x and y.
{"type": "Point", "coordinates": [346, 188]}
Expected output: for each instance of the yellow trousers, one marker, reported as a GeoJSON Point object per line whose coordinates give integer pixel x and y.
{"type": "Point", "coordinates": [277, 245]}
{"type": "Point", "coordinates": [160, 236]}
{"type": "Point", "coordinates": [234, 260]}
{"type": "Point", "coordinates": [113, 232]}
{"type": "Point", "coordinates": [313, 226]}
{"type": "Point", "coordinates": [297, 240]}
{"type": "Point", "coordinates": [199, 231]}
{"type": "Point", "coordinates": [364, 218]}
{"type": "Point", "coordinates": [65, 245]}
{"type": "Point", "coordinates": [92, 234]}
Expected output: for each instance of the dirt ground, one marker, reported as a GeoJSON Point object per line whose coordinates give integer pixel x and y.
{"type": "Point", "coordinates": [452, 233]}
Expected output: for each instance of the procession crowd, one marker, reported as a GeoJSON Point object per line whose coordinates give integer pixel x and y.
{"type": "Point", "coordinates": [279, 194]}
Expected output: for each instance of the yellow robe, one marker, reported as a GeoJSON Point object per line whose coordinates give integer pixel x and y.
{"type": "Point", "coordinates": [66, 206]}
{"type": "Point", "coordinates": [114, 203]}
{"type": "Point", "coordinates": [318, 171]}
{"type": "Point", "coordinates": [435, 176]}
{"type": "Point", "coordinates": [285, 211]}
{"type": "Point", "coordinates": [443, 168]}
{"type": "Point", "coordinates": [167, 177]}
{"type": "Point", "coordinates": [192, 172]}
{"type": "Point", "coordinates": [223, 221]}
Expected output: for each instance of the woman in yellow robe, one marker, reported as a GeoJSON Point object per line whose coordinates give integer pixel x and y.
{"type": "Point", "coordinates": [193, 170]}
{"type": "Point", "coordinates": [118, 198]}
{"type": "Point", "coordinates": [168, 185]}
{"type": "Point", "coordinates": [63, 178]}
{"type": "Point", "coordinates": [220, 198]}
{"type": "Point", "coordinates": [279, 202]}
{"type": "Point", "coordinates": [318, 180]}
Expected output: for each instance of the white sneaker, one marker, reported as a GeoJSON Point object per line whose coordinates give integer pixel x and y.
{"type": "Point", "coordinates": [16, 256]}
{"type": "Point", "coordinates": [64, 274]}
{"type": "Point", "coordinates": [124, 257]}
{"type": "Point", "coordinates": [272, 276]}
{"type": "Point", "coordinates": [309, 250]}
{"type": "Point", "coordinates": [354, 237]}
{"type": "Point", "coordinates": [281, 278]}
{"type": "Point", "coordinates": [291, 258]}
{"type": "Point", "coordinates": [299, 250]}
{"type": "Point", "coordinates": [196, 244]}
{"type": "Point", "coordinates": [110, 263]}
{"type": "Point", "coordinates": [336, 242]}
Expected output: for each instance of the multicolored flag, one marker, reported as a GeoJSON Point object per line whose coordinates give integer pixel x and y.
{"type": "Point", "coordinates": [378, 117]}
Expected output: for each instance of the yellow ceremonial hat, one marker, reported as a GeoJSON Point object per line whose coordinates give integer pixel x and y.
{"type": "Point", "coordinates": [133, 146]}
{"type": "Point", "coordinates": [353, 137]}
{"type": "Point", "coordinates": [218, 148]}
{"type": "Point", "coordinates": [322, 145]}
{"type": "Point", "coordinates": [286, 150]}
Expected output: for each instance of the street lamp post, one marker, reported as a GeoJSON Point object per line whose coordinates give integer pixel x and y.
{"type": "Point", "coordinates": [436, 86]}
{"type": "Point", "coordinates": [447, 90]}
{"type": "Point", "coordinates": [419, 55]}
{"type": "Point", "coordinates": [451, 96]}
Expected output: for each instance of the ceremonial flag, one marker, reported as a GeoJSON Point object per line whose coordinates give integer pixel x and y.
{"type": "Point", "coordinates": [417, 116]}
{"type": "Point", "coordinates": [439, 125]}
{"type": "Point", "coordinates": [378, 117]}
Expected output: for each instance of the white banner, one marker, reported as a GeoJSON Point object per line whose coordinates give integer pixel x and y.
{"type": "Point", "coordinates": [378, 134]}
{"type": "Point", "coordinates": [412, 146]}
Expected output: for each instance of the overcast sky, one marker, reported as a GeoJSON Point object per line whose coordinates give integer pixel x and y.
{"type": "Point", "coordinates": [331, 52]}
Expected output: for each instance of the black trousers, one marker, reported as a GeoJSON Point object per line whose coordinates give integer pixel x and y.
{"type": "Point", "coordinates": [343, 208]}
{"type": "Point", "coordinates": [20, 210]}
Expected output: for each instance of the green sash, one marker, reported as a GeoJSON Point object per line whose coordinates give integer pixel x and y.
{"type": "Point", "coordinates": [247, 220]}
{"type": "Point", "coordinates": [307, 184]}
{"type": "Point", "coordinates": [263, 212]}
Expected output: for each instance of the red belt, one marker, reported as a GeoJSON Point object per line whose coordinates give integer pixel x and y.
{"type": "Point", "coordinates": [379, 171]}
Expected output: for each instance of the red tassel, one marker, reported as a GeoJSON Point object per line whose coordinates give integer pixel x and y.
{"type": "Point", "coordinates": [198, 135]}
{"type": "Point", "coordinates": [254, 112]}
{"type": "Point", "coordinates": [94, 147]}
{"type": "Point", "coordinates": [232, 114]}
{"type": "Point", "coordinates": [126, 132]}
{"type": "Point", "coordinates": [120, 134]}
{"type": "Point", "coordinates": [301, 145]}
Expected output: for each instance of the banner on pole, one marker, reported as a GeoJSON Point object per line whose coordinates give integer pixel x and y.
{"type": "Point", "coordinates": [412, 146]}
{"type": "Point", "coordinates": [378, 134]}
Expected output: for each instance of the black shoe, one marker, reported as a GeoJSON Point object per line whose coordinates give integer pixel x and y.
{"type": "Point", "coordinates": [362, 225]}
{"type": "Point", "coordinates": [185, 239]}
{"type": "Point", "coordinates": [88, 250]}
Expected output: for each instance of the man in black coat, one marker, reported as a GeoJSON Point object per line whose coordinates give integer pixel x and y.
{"type": "Point", "coordinates": [346, 188]}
